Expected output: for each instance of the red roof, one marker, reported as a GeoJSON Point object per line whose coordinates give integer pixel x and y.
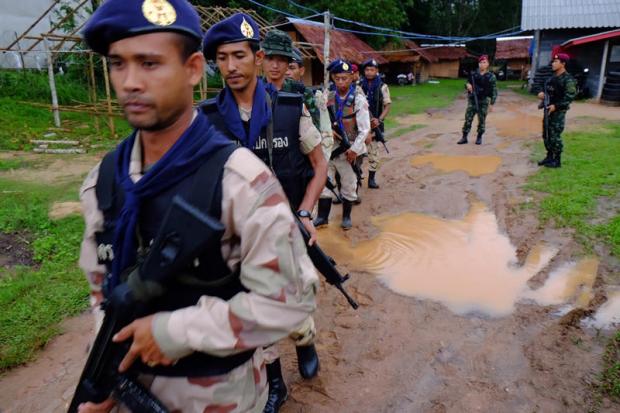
{"type": "Point", "coordinates": [591, 38]}
{"type": "Point", "coordinates": [446, 52]}
{"type": "Point", "coordinates": [343, 45]}
{"type": "Point", "coordinates": [406, 52]}
{"type": "Point", "coordinates": [513, 49]}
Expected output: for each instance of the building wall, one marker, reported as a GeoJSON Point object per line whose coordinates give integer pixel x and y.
{"type": "Point", "coordinates": [551, 38]}
{"type": "Point", "coordinates": [445, 68]}
{"type": "Point", "coordinates": [522, 65]}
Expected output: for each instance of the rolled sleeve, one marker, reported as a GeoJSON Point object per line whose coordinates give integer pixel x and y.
{"type": "Point", "coordinates": [362, 118]}
{"type": "Point", "coordinates": [309, 135]}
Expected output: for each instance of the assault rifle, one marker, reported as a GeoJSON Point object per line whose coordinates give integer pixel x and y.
{"type": "Point", "coordinates": [545, 106]}
{"type": "Point", "coordinates": [380, 137]}
{"type": "Point", "coordinates": [474, 91]}
{"type": "Point", "coordinates": [345, 144]}
{"type": "Point", "coordinates": [326, 265]}
{"type": "Point", "coordinates": [185, 232]}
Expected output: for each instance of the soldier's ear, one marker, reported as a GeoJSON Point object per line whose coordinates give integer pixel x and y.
{"type": "Point", "coordinates": [259, 57]}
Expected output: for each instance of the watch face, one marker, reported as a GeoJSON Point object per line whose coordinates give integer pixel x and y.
{"type": "Point", "coordinates": [304, 214]}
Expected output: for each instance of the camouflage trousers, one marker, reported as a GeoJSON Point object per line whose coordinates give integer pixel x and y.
{"type": "Point", "coordinates": [552, 137]}
{"type": "Point", "coordinates": [373, 155]}
{"type": "Point", "coordinates": [471, 112]}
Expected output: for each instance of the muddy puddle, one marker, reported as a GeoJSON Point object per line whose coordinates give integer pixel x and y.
{"type": "Point", "coordinates": [473, 165]}
{"type": "Point", "coordinates": [468, 265]}
{"type": "Point", "coordinates": [608, 314]}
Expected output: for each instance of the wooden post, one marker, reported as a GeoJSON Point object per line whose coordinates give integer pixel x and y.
{"type": "Point", "coordinates": [108, 96]}
{"type": "Point", "coordinates": [535, 58]}
{"type": "Point", "coordinates": [601, 78]}
{"type": "Point", "coordinates": [327, 26]}
{"type": "Point", "coordinates": [50, 74]}
{"type": "Point", "coordinates": [93, 88]}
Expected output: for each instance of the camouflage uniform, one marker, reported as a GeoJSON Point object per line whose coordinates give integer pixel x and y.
{"type": "Point", "coordinates": [262, 239]}
{"type": "Point", "coordinates": [484, 98]}
{"type": "Point", "coordinates": [373, 147]}
{"type": "Point", "coordinates": [562, 90]}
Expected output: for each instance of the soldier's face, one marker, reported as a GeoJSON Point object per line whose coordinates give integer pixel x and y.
{"type": "Point", "coordinates": [295, 71]}
{"type": "Point", "coordinates": [153, 84]}
{"type": "Point", "coordinates": [483, 65]}
{"type": "Point", "coordinates": [556, 65]}
{"type": "Point", "coordinates": [275, 67]}
{"type": "Point", "coordinates": [238, 64]}
{"type": "Point", "coordinates": [371, 72]}
{"type": "Point", "coordinates": [343, 81]}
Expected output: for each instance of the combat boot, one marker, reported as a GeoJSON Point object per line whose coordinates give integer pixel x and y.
{"type": "Point", "coordinates": [547, 159]}
{"type": "Point", "coordinates": [479, 139]}
{"type": "Point", "coordinates": [347, 206]}
{"type": "Point", "coordinates": [463, 139]}
{"type": "Point", "coordinates": [322, 219]}
{"type": "Point", "coordinates": [277, 389]}
{"type": "Point", "coordinates": [371, 180]}
{"type": "Point", "coordinates": [555, 161]}
{"type": "Point", "coordinates": [307, 361]}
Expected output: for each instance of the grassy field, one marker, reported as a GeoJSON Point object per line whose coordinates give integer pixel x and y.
{"type": "Point", "coordinates": [34, 299]}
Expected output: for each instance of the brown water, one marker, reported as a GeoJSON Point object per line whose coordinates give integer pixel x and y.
{"type": "Point", "coordinates": [608, 315]}
{"type": "Point", "coordinates": [473, 165]}
{"type": "Point", "coordinates": [468, 265]}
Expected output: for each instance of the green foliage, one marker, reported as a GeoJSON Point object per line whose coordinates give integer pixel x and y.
{"type": "Point", "coordinates": [590, 171]}
{"type": "Point", "coordinates": [33, 300]}
{"type": "Point", "coordinates": [33, 86]}
{"type": "Point", "coordinates": [609, 383]}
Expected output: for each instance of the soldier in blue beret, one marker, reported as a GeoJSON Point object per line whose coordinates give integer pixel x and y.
{"type": "Point", "coordinates": [200, 347]}
{"type": "Point", "coordinates": [277, 127]}
{"type": "Point", "coordinates": [351, 124]}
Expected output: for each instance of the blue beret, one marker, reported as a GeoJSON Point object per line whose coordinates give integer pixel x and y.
{"type": "Point", "coordinates": [239, 27]}
{"type": "Point", "coordinates": [370, 63]}
{"type": "Point", "coordinates": [118, 19]}
{"type": "Point", "coordinates": [339, 66]}
{"type": "Point", "coordinates": [297, 56]}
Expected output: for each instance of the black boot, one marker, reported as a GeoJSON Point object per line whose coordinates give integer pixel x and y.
{"type": "Point", "coordinates": [555, 161]}
{"type": "Point", "coordinates": [479, 139]}
{"type": "Point", "coordinates": [463, 139]}
{"type": "Point", "coordinates": [322, 219]}
{"type": "Point", "coordinates": [347, 206]}
{"type": "Point", "coordinates": [307, 361]}
{"type": "Point", "coordinates": [371, 180]}
{"type": "Point", "coordinates": [277, 389]}
{"type": "Point", "coordinates": [547, 159]}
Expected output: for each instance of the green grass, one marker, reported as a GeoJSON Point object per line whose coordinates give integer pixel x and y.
{"type": "Point", "coordinates": [610, 378]}
{"type": "Point", "coordinates": [590, 170]}
{"type": "Point", "coordinates": [396, 132]}
{"type": "Point", "coordinates": [9, 164]}
{"type": "Point", "coordinates": [409, 100]}
{"type": "Point", "coordinates": [33, 300]}
{"type": "Point", "coordinates": [22, 122]}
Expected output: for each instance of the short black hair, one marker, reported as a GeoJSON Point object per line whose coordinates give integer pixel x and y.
{"type": "Point", "coordinates": [254, 47]}
{"type": "Point", "coordinates": [188, 45]}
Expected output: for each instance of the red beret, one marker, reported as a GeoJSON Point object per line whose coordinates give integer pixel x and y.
{"type": "Point", "coordinates": [483, 57]}
{"type": "Point", "coordinates": [563, 57]}
{"type": "Point", "coordinates": [354, 67]}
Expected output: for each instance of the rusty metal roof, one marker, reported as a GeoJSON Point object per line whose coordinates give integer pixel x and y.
{"type": "Point", "coordinates": [513, 49]}
{"type": "Point", "coordinates": [569, 14]}
{"type": "Point", "coordinates": [446, 52]}
{"type": "Point", "coordinates": [343, 45]}
{"type": "Point", "coordinates": [406, 52]}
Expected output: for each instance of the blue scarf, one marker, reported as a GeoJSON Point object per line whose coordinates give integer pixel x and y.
{"type": "Point", "coordinates": [371, 88]}
{"type": "Point", "coordinates": [187, 154]}
{"type": "Point", "coordinates": [340, 105]}
{"type": "Point", "coordinates": [261, 113]}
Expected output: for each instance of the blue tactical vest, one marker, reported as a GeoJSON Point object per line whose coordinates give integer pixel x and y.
{"type": "Point", "coordinates": [207, 275]}
{"type": "Point", "coordinates": [288, 162]}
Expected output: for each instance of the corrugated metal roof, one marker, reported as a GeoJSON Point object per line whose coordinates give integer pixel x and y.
{"type": "Point", "coordinates": [513, 49]}
{"type": "Point", "coordinates": [446, 52]}
{"type": "Point", "coordinates": [569, 14]}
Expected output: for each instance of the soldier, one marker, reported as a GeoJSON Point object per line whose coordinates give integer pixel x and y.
{"type": "Point", "coordinates": [378, 95]}
{"type": "Point", "coordinates": [286, 141]}
{"type": "Point", "coordinates": [201, 347]}
{"type": "Point", "coordinates": [561, 89]}
{"type": "Point", "coordinates": [351, 119]}
{"type": "Point", "coordinates": [481, 90]}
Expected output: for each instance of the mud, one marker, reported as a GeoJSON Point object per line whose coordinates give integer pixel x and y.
{"type": "Point", "coordinates": [15, 250]}
{"type": "Point", "coordinates": [473, 165]}
{"type": "Point", "coordinates": [399, 353]}
{"type": "Point", "coordinates": [608, 314]}
{"type": "Point", "coordinates": [61, 210]}
{"type": "Point", "coordinates": [50, 168]}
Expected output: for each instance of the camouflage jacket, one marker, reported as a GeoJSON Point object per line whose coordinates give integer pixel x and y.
{"type": "Point", "coordinates": [293, 86]}
{"type": "Point", "coordinates": [562, 90]}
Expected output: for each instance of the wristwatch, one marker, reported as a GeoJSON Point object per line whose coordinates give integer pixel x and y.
{"type": "Point", "coordinates": [302, 213]}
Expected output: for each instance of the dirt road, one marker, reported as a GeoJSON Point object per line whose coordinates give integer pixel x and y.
{"type": "Point", "coordinates": [426, 339]}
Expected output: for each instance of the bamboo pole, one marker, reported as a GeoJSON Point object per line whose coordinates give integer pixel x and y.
{"type": "Point", "coordinates": [33, 24]}
{"type": "Point", "coordinates": [326, 24]}
{"type": "Point", "coordinates": [93, 88]}
{"type": "Point", "coordinates": [52, 81]}
{"type": "Point", "coordinates": [108, 96]}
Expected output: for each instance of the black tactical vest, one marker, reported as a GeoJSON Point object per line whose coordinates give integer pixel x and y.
{"type": "Point", "coordinates": [285, 158]}
{"type": "Point", "coordinates": [483, 85]}
{"type": "Point", "coordinates": [207, 275]}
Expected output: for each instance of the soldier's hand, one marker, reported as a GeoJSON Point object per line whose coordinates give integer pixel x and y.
{"type": "Point", "coordinates": [374, 123]}
{"type": "Point", "coordinates": [470, 88]}
{"type": "Point", "coordinates": [103, 407]}
{"type": "Point", "coordinates": [490, 108]}
{"type": "Point", "coordinates": [541, 95]}
{"type": "Point", "coordinates": [143, 346]}
{"type": "Point", "coordinates": [307, 222]}
{"type": "Point", "coordinates": [351, 155]}
{"type": "Point", "coordinates": [551, 108]}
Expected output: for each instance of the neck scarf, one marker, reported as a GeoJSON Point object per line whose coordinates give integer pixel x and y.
{"type": "Point", "coordinates": [340, 105]}
{"type": "Point", "coordinates": [188, 153]}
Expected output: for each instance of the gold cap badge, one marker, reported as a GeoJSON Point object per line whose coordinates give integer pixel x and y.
{"type": "Point", "coordinates": [159, 12]}
{"type": "Point", "coordinates": [246, 29]}
{"type": "Point", "coordinates": [345, 66]}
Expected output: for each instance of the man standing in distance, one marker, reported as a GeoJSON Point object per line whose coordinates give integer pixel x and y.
{"type": "Point", "coordinates": [201, 347]}
{"type": "Point", "coordinates": [277, 127]}
{"type": "Point", "coordinates": [480, 93]}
